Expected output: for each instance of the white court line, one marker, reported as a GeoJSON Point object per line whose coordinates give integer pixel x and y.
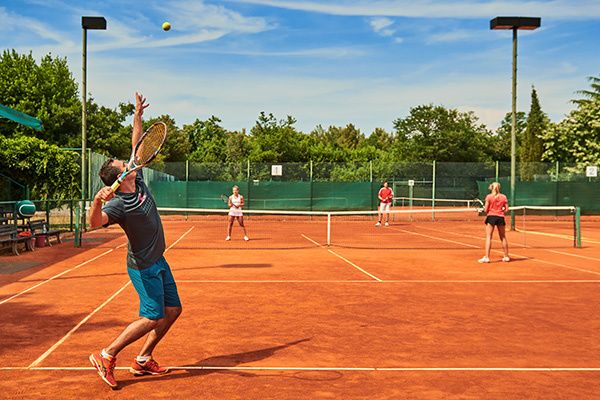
{"type": "Point", "coordinates": [574, 255]}
{"type": "Point", "coordinates": [54, 277]}
{"type": "Point", "coordinates": [51, 349]}
{"type": "Point", "coordinates": [178, 240]}
{"type": "Point", "coordinates": [511, 253]}
{"type": "Point", "coordinates": [438, 238]}
{"type": "Point", "coordinates": [349, 262]}
{"type": "Point", "coordinates": [401, 281]}
{"type": "Point", "coordinates": [355, 266]}
{"type": "Point", "coordinates": [309, 239]}
{"type": "Point", "coordinates": [397, 369]}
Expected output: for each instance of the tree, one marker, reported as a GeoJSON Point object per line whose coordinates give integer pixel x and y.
{"type": "Point", "coordinates": [502, 145]}
{"type": "Point", "coordinates": [575, 139]}
{"type": "Point", "coordinates": [380, 139]}
{"type": "Point", "coordinates": [238, 146]}
{"type": "Point", "coordinates": [274, 141]}
{"type": "Point", "coordinates": [50, 172]}
{"type": "Point", "coordinates": [105, 131]}
{"type": "Point", "coordinates": [437, 133]}
{"type": "Point", "coordinates": [593, 94]}
{"type": "Point", "coordinates": [532, 145]}
{"type": "Point", "coordinates": [47, 92]}
{"type": "Point", "coordinates": [208, 140]}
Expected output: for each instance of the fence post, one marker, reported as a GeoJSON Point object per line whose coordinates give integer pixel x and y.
{"type": "Point", "coordinates": [578, 226]}
{"type": "Point", "coordinates": [76, 237]}
{"type": "Point", "coordinates": [433, 193]}
{"type": "Point", "coordinates": [311, 186]}
{"type": "Point", "coordinates": [497, 167]}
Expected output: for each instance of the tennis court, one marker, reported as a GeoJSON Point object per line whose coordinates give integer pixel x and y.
{"type": "Point", "coordinates": [396, 312]}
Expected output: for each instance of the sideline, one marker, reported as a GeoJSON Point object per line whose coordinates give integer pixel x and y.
{"type": "Point", "coordinates": [349, 262]}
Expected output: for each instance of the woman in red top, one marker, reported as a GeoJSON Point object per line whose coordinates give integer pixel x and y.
{"type": "Point", "coordinates": [496, 204]}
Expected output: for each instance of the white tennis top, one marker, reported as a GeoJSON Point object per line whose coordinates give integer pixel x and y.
{"type": "Point", "coordinates": [236, 209]}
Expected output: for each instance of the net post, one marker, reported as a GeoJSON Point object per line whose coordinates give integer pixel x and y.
{"type": "Point", "coordinates": [433, 193]}
{"type": "Point", "coordinates": [524, 227]}
{"type": "Point", "coordinates": [328, 229]}
{"type": "Point", "coordinates": [577, 217]}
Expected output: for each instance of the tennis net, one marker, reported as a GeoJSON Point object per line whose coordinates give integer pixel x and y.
{"type": "Point", "coordinates": [418, 228]}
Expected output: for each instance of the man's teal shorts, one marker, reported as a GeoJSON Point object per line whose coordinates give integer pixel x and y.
{"type": "Point", "coordinates": [156, 288]}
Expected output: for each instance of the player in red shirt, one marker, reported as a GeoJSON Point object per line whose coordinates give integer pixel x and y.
{"type": "Point", "coordinates": [385, 196]}
{"type": "Point", "coordinates": [496, 204]}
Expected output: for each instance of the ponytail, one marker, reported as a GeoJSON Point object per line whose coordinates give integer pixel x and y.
{"type": "Point", "coordinates": [495, 188]}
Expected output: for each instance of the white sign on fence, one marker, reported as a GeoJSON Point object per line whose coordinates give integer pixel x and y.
{"type": "Point", "coordinates": [276, 170]}
{"type": "Point", "coordinates": [591, 171]}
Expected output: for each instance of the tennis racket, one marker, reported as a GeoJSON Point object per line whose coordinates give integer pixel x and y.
{"type": "Point", "coordinates": [146, 150]}
{"type": "Point", "coordinates": [478, 205]}
{"type": "Point", "coordinates": [225, 199]}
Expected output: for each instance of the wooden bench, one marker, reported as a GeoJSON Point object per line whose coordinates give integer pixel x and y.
{"type": "Point", "coordinates": [8, 235]}
{"type": "Point", "coordinates": [39, 227]}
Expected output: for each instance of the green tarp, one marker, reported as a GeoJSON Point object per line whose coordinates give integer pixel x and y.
{"type": "Point", "coordinates": [19, 117]}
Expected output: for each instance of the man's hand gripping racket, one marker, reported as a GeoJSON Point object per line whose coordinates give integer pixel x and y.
{"type": "Point", "coordinates": [146, 150]}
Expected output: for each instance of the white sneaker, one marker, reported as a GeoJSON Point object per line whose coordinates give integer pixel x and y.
{"type": "Point", "coordinates": [378, 224]}
{"type": "Point", "coordinates": [484, 260]}
{"type": "Point", "coordinates": [228, 238]}
{"type": "Point", "coordinates": [506, 259]}
{"type": "Point", "coordinates": [386, 224]}
{"type": "Point", "coordinates": [246, 238]}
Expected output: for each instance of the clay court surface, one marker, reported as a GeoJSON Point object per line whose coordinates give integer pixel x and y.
{"type": "Point", "coordinates": [283, 317]}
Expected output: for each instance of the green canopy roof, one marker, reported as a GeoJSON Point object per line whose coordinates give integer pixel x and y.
{"type": "Point", "coordinates": [21, 118]}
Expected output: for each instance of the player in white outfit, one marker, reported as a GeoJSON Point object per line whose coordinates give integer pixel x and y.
{"type": "Point", "coordinates": [236, 202]}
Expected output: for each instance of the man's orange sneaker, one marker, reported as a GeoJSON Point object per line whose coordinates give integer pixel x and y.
{"type": "Point", "coordinates": [150, 367]}
{"type": "Point", "coordinates": [105, 368]}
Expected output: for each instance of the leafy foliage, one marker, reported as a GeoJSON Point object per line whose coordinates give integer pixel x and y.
{"type": "Point", "coordinates": [532, 146]}
{"type": "Point", "coordinates": [47, 92]}
{"type": "Point", "coordinates": [437, 133]}
{"type": "Point", "coordinates": [50, 173]}
{"type": "Point", "coordinates": [576, 139]}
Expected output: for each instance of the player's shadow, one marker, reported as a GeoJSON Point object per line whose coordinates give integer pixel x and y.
{"type": "Point", "coordinates": [233, 266]}
{"type": "Point", "coordinates": [217, 364]}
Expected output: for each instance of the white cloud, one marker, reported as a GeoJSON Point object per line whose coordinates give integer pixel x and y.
{"type": "Point", "coordinates": [452, 36]}
{"type": "Point", "coordinates": [192, 15]}
{"type": "Point", "coordinates": [381, 23]}
{"type": "Point", "coordinates": [560, 9]}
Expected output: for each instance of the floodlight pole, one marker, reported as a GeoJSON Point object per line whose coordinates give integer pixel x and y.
{"type": "Point", "coordinates": [86, 23]}
{"type": "Point", "coordinates": [514, 23]}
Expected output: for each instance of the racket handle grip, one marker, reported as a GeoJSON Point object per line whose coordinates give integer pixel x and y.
{"type": "Point", "coordinates": [116, 185]}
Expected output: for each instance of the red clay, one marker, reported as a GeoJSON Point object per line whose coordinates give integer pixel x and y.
{"type": "Point", "coordinates": [311, 323]}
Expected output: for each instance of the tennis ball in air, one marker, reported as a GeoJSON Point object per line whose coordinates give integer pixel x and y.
{"type": "Point", "coordinates": [166, 26]}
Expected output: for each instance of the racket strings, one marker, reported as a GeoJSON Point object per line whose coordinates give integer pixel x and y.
{"type": "Point", "coordinates": [150, 145]}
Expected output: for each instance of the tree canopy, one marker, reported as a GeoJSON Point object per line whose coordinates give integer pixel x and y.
{"type": "Point", "coordinates": [47, 91]}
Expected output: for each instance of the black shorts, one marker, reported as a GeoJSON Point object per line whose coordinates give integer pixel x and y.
{"type": "Point", "coordinates": [495, 220]}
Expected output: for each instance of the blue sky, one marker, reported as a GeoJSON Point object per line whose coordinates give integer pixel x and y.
{"type": "Point", "coordinates": [327, 62]}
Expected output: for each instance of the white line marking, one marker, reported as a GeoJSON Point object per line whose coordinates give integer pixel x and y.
{"type": "Point", "coordinates": [51, 349]}
{"type": "Point", "coordinates": [513, 254]}
{"type": "Point", "coordinates": [178, 240]}
{"type": "Point", "coordinates": [574, 255]}
{"type": "Point", "coordinates": [54, 277]}
{"type": "Point", "coordinates": [349, 262]}
{"type": "Point", "coordinates": [400, 281]}
{"type": "Point", "coordinates": [355, 266]}
{"type": "Point", "coordinates": [397, 369]}
{"type": "Point", "coordinates": [309, 239]}
{"type": "Point", "coordinates": [438, 238]}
